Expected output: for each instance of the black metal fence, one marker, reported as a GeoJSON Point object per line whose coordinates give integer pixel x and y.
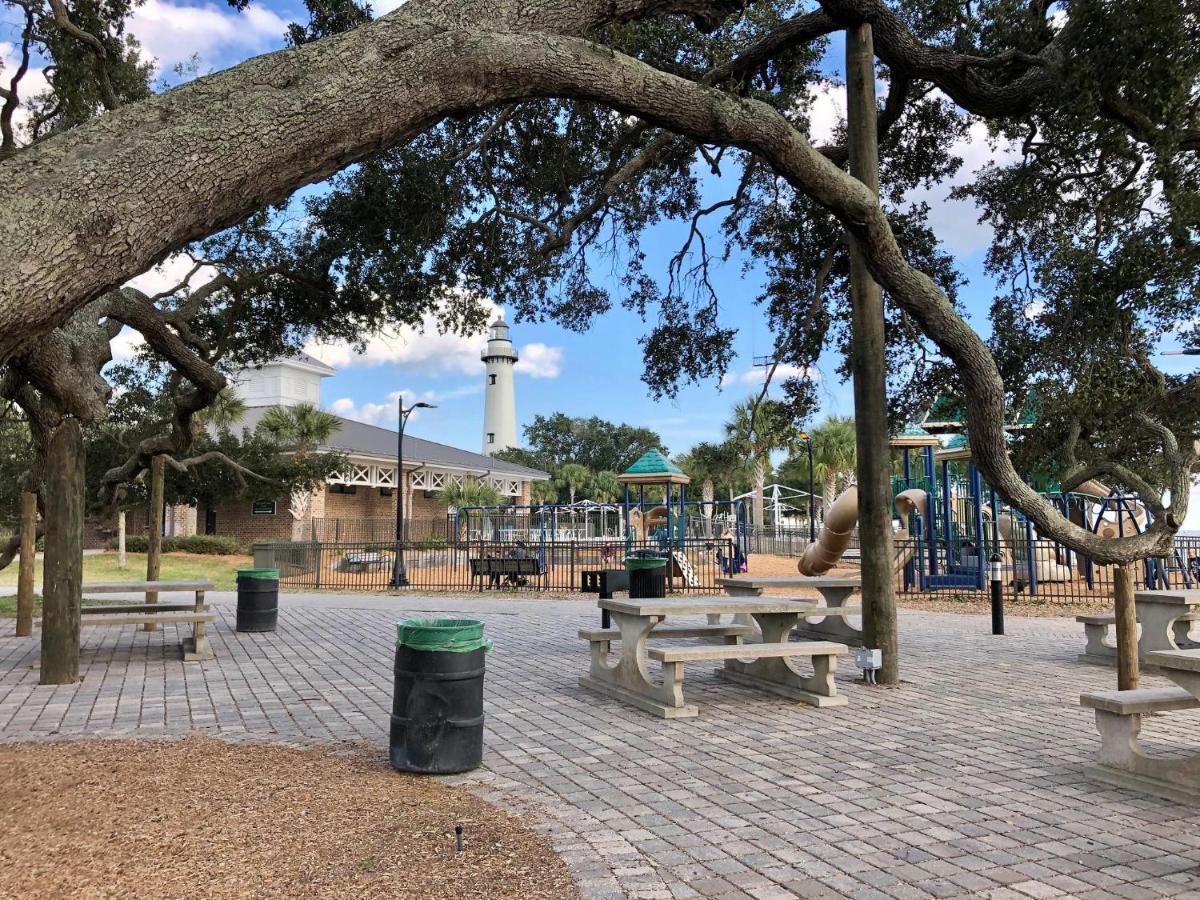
{"type": "Point", "coordinates": [439, 565]}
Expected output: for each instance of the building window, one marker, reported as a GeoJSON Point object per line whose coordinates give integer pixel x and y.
{"type": "Point", "coordinates": [491, 379]}
{"type": "Point", "coordinates": [491, 437]}
{"type": "Point", "coordinates": [343, 489]}
{"type": "Point", "coordinates": [385, 492]}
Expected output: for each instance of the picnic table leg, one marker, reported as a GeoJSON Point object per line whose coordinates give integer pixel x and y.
{"type": "Point", "coordinates": [1160, 627]}
{"type": "Point", "coordinates": [776, 676]}
{"type": "Point", "coordinates": [629, 680]}
{"type": "Point", "coordinates": [196, 647]}
{"type": "Point", "coordinates": [832, 628]}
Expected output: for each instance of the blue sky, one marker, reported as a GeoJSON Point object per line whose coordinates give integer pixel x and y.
{"type": "Point", "coordinates": [597, 373]}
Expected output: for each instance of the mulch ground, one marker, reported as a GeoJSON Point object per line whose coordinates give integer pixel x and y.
{"type": "Point", "coordinates": [203, 818]}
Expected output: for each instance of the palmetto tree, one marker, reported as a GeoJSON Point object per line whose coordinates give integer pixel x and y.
{"type": "Point", "coordinates": [758, 428]}
{"type": "Point", "coordinates": [835, 455]}
{"type": "Point", "coordinates": [605, 488]}
{"type": "Point", "coordinates": [542, 492]}
{"type": "Point", "coordinates": [226, 410]}
{"type": "Point", "coordinates": [573, 478]}
{"type": "Point", "coordinates": [301, 428]}
{"type": "Point", "coordinates": [707, 464]}
{"type": "Point", "coordinates": [471, 493]}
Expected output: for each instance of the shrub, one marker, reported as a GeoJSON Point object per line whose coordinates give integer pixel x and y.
{"type": "Point", "coordinates": [206, 544]}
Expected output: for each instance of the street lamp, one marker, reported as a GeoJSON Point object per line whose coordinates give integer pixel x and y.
{"type": "Point", "coordinates": [812, 528]}
{"type": "Point", "coordinates": [399, 576]}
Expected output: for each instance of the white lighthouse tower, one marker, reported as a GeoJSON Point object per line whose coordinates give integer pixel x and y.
{"type": "Point", "coordinates": [499, 402]}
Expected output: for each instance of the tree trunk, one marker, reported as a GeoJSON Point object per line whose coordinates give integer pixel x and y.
{"type": "Point", "coordinates": [828, 491]}
{"type": "Point", "coordinates": [708, 496]}
{"type": "Point", "coordinates": [760, 479]}
{"type": "Point", "coordinates": [869, 367]}
{"type": "Point", "coordinates": [121, 540]}
{"type": "Point", "coordinates": [63, 567]}
{"type": "Point", "coordinates": [1127, 633]}
{"type": "Point", "coordinates": [26, 566]}
{"type": "Point", "coordinates": [154, 536]}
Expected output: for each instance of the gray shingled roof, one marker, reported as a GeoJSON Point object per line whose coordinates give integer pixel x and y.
{"type": "Point", "coordinates": [371, 440]}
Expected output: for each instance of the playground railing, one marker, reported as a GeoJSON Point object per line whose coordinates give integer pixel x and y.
{"type": "Point", "coordinates": [436, 564]}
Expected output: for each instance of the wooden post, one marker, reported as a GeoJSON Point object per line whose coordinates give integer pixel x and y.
{"type": "Point", "coordinates": [121, 540]}
{"type": "Point", "coordinates": [154, 536]}
{"type": "Point", "coordinates": [26, 566]}
{"type": "Point", "coordinates": [1127, 633]}
{"type": "Point", "coordinates": [869, 367]}
{"type": "Point", "coordinates": [63, 567]}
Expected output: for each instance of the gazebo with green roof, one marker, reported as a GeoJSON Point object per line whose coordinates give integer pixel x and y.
{"type": "Point", "coordinates": [653, 468]}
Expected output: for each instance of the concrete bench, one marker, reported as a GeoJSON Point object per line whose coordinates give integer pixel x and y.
{"type": "Point", "coordinates": [151, 615]}
{"type": "Point", "coordinates": [823, 654]}
{"type": "Point", "coordinates": [731, 633]}
{"type": "Point", "coordinates": [1121, 760]}
{"type": "Point", "coordinates": [1096, 631]}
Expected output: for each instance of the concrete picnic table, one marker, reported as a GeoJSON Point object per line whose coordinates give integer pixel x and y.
{"type": "Point", "coordinates": [762, 665]}
{"type": "Point", "coordinates": [1166, 619]}
{"type": "Point", "coordinates": [834, 591]}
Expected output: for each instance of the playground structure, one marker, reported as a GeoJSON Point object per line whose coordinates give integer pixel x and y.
{"type": "Point", "coordinates": [950, 524]}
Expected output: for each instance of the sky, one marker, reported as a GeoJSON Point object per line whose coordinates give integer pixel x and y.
{"type": "Point", "coordinates": [595, 373]}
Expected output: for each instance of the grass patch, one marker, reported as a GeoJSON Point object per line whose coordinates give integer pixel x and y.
{"type": "Point", "coordinates": [221, 570]}
{"type": "Point", "coordinates": [8, 606]}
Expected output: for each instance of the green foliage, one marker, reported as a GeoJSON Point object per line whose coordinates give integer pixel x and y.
{"type": "Point", "coordinates": [201, 544]}
{"type": "Point", "coordinates": [300, 428]}
{"type": "Point", "coordinates": [573, 478]}
{"type": "Point", "coordinates": [605, 488]}
{"type": "Point", "coordinates": [471, 493]}
{"type": "Point", "coordinates": [592, 442]}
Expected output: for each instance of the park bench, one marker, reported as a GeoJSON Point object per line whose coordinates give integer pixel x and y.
{"type": "Point", "coordinates": [1121, 760]}
{"type": "Point", "coordinates": [731, 634]}
{"type": "Point", "coordinates": [486, 568]}
{"type": "Point", "coordinates": [153, 614]}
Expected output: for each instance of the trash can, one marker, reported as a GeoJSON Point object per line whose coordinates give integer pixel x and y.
{"type": "Point", "coordinates": [258, 599]}
{"type": "Point", "coordinates": [437, 696]}
{"type": "Point", "coordinates": [647, 577]}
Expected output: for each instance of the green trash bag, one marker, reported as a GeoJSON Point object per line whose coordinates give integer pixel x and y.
{"type": "Point", "coordinates": [444, 635]}
{"type": "Point", "coordinates": [636, 563]}
{"type": "Point", "coordinates": [259, 574]}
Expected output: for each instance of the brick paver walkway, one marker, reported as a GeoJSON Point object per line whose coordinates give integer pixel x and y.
{"type": "Point", "coordinates": [965, 781]}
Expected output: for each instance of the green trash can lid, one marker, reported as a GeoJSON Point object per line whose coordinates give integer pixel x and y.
{"type": "Point", "coordinates": [633, 563]}
{"type": "Point", "coordinates": [261, 574]}
{"type": "Point", "coordinates": [445, 635]}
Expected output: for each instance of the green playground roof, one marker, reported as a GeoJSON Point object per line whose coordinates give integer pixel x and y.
{"type": "Point", "coordinates": [653, 465]}
{"type": "Point", "coordinates": [911, 430]}
{"type": "Point", "coordinates": [959, 440]}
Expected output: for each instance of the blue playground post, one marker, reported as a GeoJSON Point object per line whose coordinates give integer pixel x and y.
{"type": "Point", "coordinates": [977, 511]}
{"type": "Point", "coordinates": [931, 502]}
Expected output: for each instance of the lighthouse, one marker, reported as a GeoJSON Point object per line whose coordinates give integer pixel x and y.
{"type": "Point", "coordinates": [499, 402]}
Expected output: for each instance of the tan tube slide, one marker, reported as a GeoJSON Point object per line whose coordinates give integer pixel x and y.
{"type": "Point", "coordinates": [823, 554]}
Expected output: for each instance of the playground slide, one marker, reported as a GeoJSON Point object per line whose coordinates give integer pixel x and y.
{"type": "Point", "coordinates": [823, 554]}
{"type": "Point", "coordinates": [1046, 567]}
{"type": "Point", "coordinates": [1110, 528]}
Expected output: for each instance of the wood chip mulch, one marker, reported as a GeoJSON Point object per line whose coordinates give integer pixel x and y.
{"type": "Point", "coordinates": [205, 818]}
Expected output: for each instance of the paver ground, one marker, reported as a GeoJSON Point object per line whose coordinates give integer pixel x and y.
{"type": "Point", "coordinates": [965, 781]}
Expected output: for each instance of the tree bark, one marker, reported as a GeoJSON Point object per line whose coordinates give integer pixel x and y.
{"type": "Point", "coordinates": [869, 367]}
{"type": "Point", "coordinates": [121, 540]}
{"type": "Point", "coordinates": [154, 534]}
{"type": "Point", "coordinates": [26, 567]}
{"type": "Point", "coordinates": [63, 566]}
{"type": "Point", "coordinates": [760, 478]}
{"type": "Point", "coordinates": [1126, 628]}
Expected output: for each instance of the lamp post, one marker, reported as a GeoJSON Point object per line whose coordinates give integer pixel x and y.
{"type": "Point", "coordinates": [812, 527]}
{"type": "Point", "coordinates": [399, 576]}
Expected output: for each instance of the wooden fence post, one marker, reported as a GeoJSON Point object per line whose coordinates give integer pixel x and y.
{"type": "Point", "coordinates": [1127, 634]}
{"type": "Point", "coordinates": [26, 565]}
{"type": "Point", "coordinates": [62, 570]}
{"type": "Point", "coordinates": [154, 537]}
{"type": "Point", "coordinates": [121, 540]}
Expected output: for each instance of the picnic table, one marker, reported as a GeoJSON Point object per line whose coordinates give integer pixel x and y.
{"type": "Point", "coordinates": [1166, 618]}
{"type": "Point", "coordinates": [829, 616]}
{"type": "Point", "coordinates": [762, 665]}
{"type": "Point", "coordinates": [195, 613]}
{"type": "Point", "coordinates": [1119, 718]}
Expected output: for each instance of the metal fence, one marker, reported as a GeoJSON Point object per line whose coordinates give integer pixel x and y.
{"type": "Point", "coordinates": [438, 565]}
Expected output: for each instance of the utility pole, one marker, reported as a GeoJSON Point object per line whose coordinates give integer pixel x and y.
{"type": "Point", "coordinates": [869, 366]}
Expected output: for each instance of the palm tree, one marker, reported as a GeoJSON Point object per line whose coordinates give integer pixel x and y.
{"type": "Point", "coordinates": [605, 487]}
{"type": "Point", "coordinates": [301, 428]}
{"type": "Point", "coordinates": [835, 455]}
{"type": "Point", "coordinates": [573, 477]}
{"type": "Point", "coordinates": [226, 410]}
{"type": "Point", "coordinates": [706, 464]}
{"type": "Point", "coordinates": [758, 428]}
{"type": "Point", "coordinates": [543, 492]}
{"type": "Point", "coordinates": [470, 493]}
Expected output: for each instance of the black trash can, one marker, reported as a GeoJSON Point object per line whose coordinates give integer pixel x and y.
{"type": "Point", "coordinates": [647, 577]}
{"type": "Point", "coordinates": [258, 599]}
{"type": "Point", "coordinates": [437, 696]}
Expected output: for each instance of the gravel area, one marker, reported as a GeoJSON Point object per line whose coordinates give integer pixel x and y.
{"type": "Point", "coordinates": [206, 818]}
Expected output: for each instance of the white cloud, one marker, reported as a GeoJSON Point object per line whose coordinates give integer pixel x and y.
{"type": "Point", "coordinates": [826, 111]}
{"type": "Point", "coordinates": [385, 413]}
{"type": "Point", "coordinates": [32, 83]}
{"type": "Point", "coordinates": [429, 352]}
{"type": "Point", "coordinates": [956, 222]}
{"type": "Point", "coordinates": [170, 273]}
{"type": "Point", "coordinates": [538, 360]}
{"type": "Point", "coordinates": [126, 345]}
{"type": "Point", "coordinates": [758, 375]}
{"type": "Point", "coordinates": [172, 33]}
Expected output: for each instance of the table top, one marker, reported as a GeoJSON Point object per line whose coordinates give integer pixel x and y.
{"type": "Point", "coordinates": [1183, 598]}
{"type": "Point", "coordinates": [764, 581]}
{"type": "Point", "coordinates": [684, 606]}
{"type": "Point", "coordinates": [1180, 660]}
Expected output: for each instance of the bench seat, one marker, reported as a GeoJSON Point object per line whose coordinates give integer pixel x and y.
{"type": "Point", "coordinates": [671, 631]}
{"type": "Point", "coordinates": [170, 618]}
{"type": "Point", "coordinates": [140, 587]}
{"type": "Point", "coordinates": [833, 611]}
{"type": "Point", "coordinates": [136, 608]}
{"type": "Point", "coordinates": [747, 651]}
{"type": "Point", "coordinates": [1140, 701]}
